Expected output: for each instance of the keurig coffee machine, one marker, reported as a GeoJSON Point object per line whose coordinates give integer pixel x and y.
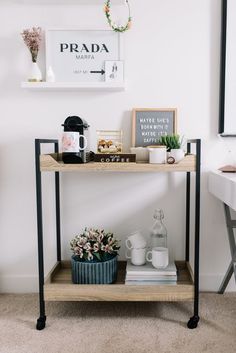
{"type": "Point", "coordinates": [75, 147]}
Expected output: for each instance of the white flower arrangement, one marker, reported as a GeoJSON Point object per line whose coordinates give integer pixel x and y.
{"type": "Point", "coordinates": [94, 245]}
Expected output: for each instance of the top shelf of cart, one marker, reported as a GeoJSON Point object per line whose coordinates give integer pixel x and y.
{"type": "Point", "coordinates": [53, 163]}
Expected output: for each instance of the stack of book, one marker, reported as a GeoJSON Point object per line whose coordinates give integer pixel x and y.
{"type": "Point", "coordinates": [149, 275]}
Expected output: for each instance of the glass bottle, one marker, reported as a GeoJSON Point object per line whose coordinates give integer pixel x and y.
{"type": "Point", "coordinates": [158, 230]}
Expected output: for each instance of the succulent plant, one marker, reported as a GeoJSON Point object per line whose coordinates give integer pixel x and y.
{"type": "Point", "coordinates": [171, 141]}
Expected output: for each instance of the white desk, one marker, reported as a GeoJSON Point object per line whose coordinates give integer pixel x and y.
{"type": "Point", "coordinates": [223, 186]}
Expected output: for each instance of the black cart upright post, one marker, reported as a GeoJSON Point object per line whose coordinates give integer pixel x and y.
{"type": "Point", "coordinates": [42, 316]}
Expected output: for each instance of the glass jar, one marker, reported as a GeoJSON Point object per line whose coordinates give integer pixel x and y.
{"type": "Point", "coordinates": [158, 230]}
{"type": "Point", "coordinates": [109, 141]}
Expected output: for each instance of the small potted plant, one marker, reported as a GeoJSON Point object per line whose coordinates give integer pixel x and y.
{"type": "Point", "coordinates": [94, 259]}
{"type": "Point", "coordinates": [173, 144]}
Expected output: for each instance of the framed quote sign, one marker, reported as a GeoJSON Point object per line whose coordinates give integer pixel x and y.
{"type": "Point", "coordinates": [149, 125]}
{"type": "Point", "coordinates": [80, 55]}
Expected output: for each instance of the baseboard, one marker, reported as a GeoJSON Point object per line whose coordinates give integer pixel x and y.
{"type": "Point", "coordinates": [18, 284]}
{"type": "Point", "coordinates": [211, 283]}
{"type": "Point", "coordinates": [29, 284]}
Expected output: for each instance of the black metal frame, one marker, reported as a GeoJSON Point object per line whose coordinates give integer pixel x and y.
{"type": "Point", "coordinates": [42, 318]}
{"type": "Point", "coordinates": [222, 67]}
{"type": "Point", "coordinates": [223, 70]}
{"type": "Point", "coordinates": [193, 322]}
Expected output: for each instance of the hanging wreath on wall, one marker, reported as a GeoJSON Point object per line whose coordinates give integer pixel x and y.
{"type": "Point", "coordinates": [112, 24]}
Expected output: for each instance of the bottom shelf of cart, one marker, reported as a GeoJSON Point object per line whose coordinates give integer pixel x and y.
{"type": "Point", "coordinates": [59, 287]}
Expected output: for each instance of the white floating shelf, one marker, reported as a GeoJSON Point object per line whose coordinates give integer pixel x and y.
{"type": "Point", "coordinates": [62, 2]}
{"type": "Point", "coordinates": [73, 86]}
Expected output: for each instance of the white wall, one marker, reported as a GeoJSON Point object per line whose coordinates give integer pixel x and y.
{"type": "Point", "coordinates": [172, 60]}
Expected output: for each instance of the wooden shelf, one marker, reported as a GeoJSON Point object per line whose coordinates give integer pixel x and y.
{"type": "Point", "coordinates": [59, 287]}
{"type": "Point", "coordinates": [73, 86]}
{"type": "Point", "coordinates": [53, 163]}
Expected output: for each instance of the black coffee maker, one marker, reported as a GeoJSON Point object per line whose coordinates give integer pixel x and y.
{"type": "Point", "coordinates": [76, 124]}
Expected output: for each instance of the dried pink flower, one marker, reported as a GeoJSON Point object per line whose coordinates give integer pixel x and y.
{"type": "Point", "coordinates": [32, 38]}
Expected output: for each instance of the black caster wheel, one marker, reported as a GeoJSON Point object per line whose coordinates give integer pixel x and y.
{"type": "Point", "coordinates": [41, 322]}
{"type": "Point", "coordinates": [193, 322]}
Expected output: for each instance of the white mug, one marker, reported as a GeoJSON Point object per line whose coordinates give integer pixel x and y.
{"type": "Point", "coordinates": [71, 141]}
{"type": "Point", "coordinates": [157, 154]}
{"type": "Point", "coordinates": [159, 257]}
{"type": "Point", "coordinates": [136, 241]}
{"type": "Point", "coordinates": [137, 256]}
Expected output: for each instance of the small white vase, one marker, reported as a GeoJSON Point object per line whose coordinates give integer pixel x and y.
{"type": "Point", "coordinates": [50, 77]}
{"type": "Point", "coordinates": [35, 74]}
{"type": "Point", "coordinates": [157, 154]}
{"type": "Point", "coordinates": [142, 154]}
{"type": "Point", "coordinates": [177, 154]}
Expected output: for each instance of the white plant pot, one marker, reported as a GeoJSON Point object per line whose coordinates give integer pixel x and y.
{"type": "Point", "coordinates": [142, 154]}
{"type": "Point", "coordinates": [35, 74]}
{"type": "Point", "coordinates": [177, 154]}
{"type": "Point", "coordinates": [157, 154]}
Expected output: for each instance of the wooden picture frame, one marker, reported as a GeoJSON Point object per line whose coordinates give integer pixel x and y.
{"type": "Point", "coordinates": [148, 124]}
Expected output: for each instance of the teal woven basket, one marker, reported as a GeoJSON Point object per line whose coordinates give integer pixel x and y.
{"type": "Point", "coordinates": [89, 272]}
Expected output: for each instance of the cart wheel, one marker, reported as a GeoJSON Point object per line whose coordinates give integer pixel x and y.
{"type": "Point", "coordinates": [193, 322]}
{"type": "Point", "coordinates": [41, 322]}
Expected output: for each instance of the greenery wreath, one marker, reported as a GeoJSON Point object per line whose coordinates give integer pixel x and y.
{"type": "Point", "coordinates": [113, 25]}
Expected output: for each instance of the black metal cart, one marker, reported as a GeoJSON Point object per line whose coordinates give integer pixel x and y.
{"type": "Point", "coordinates": [187, 287]}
